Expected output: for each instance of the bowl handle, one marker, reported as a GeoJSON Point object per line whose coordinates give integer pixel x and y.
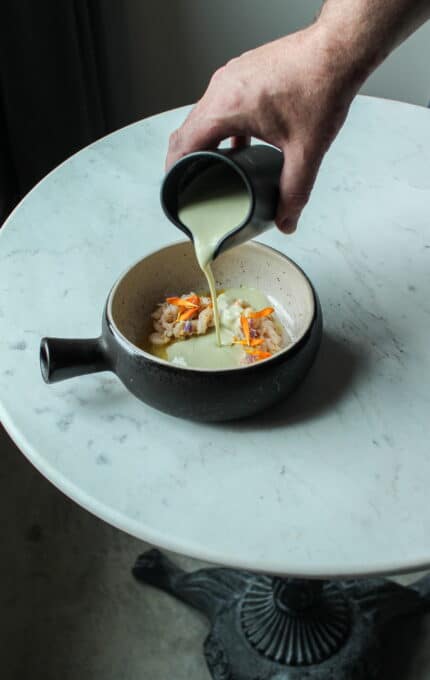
{"type": "Point", "coordinates": [61, 358]}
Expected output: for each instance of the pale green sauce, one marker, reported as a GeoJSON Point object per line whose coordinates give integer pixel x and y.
{"type": "Point", "coordinates": [212, 205]}
{"type": "Point", "coordinates": [203, 352]}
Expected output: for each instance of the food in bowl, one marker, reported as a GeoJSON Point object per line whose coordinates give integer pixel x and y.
{"type": "Point", "coordinates": [184, 330]}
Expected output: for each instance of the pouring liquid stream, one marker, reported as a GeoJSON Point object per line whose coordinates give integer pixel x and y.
{"type": "Point", "coordinates": [212, 205]}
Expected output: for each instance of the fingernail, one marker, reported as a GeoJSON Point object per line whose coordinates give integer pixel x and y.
{"type": "Point", "coordinates": [288, 226]}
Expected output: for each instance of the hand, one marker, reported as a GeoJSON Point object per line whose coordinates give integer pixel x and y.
{"type": "Point", "coordinates": [293, 93]}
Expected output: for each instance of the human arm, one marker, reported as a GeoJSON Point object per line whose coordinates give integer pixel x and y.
{"type": "Point", "coordinates": [295, 92]}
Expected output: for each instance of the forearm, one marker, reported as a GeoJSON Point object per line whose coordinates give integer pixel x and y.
{"type": "Point", "coordinates": [362, 33]}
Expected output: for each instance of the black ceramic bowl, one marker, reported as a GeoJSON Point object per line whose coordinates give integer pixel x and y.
{"type": "Point", "coordinates": [209, 395]}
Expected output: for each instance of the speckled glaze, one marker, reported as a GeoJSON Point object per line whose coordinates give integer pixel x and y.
{"type": "Point", "coordinates": [212, 395]}
{"type": "Point", "coordinates": [337, 483]}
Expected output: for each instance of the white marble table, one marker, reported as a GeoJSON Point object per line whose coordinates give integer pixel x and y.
{"type": "Point", "coordinates": [337, 481]}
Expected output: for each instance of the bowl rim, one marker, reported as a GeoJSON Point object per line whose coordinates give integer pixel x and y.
{"type": "Point", "coordinates": [211, 371]}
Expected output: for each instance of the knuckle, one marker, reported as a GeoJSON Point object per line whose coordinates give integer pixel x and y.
{"type": "Point", "coordinates": [210, 125]}
{"type": "Point", "coordinates": [235, 98]}
{"type": "Point", "coordinates": [232, 63]}
{"type": "Point", "coordinates": [217, 75]}
{"type": "Point", "coordinates": [214, 126]}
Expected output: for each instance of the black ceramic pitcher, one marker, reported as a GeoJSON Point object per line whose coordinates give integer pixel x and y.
{"type": "Point", "coordinates": [258, 165]}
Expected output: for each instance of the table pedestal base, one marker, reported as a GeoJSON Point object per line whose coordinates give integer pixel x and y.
{"type": "Point", "coordinates": [265, 628]}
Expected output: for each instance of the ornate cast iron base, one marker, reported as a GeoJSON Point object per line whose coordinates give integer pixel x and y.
{"type": "Point", "coordinates": [287, 629]}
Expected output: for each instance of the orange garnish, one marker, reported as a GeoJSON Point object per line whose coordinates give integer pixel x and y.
{"type": "Point", "coordinates": [188, 314]}
{"type": "Point", "coordinates": [245, 328]}
{"type": "Point", "coordinates": [267, 311]}
{"type": "Point", "coordinates": [188, 303]}
{"type": "Point", "coordinates": [194, 299]}
{"type": "Point", "coordinates": [252, 343]}
{"type": "Point", "coordinates": [191, 305]}
{"type": "Point", "coordinates": [258, 353]}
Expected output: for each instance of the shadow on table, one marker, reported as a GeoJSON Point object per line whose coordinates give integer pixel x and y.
{"type": "Point", "coordinates": [330, 378]}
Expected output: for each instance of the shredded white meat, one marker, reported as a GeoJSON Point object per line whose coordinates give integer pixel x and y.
{"type": "Point", "coordinates": [167, 325]}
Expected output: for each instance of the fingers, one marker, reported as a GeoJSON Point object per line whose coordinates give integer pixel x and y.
{"type": "Point", "coordinates": [240, 141]}
{"type": "Point", "coordinates": [297, 179]}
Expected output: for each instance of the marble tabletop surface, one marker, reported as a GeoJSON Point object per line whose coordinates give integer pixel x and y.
{"type": "Point", "coordinates": [334, 482]}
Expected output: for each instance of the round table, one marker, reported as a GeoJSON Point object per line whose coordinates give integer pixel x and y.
{"type": "Point", "coordinates": [334, 482]}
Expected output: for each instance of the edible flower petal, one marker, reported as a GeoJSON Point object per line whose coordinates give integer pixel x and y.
{"type": "Point", "coordinates": [194, 299]}
{"type": "Point", "coordinates": [258, 354]}
{"type": "Point", "coordinates": [252, 343]}
{"type": "Point", "coordinates": [245, 328]}
{"type": "Point", "coordinates": [267, 311]}
{"type": "Point", "coordinates": [188, 306]}
{"type": "Point", "coordinates": [188, 314]}
{"type": "Point", "coordinates": [188, 303]}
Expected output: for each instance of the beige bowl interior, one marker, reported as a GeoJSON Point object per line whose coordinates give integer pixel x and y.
{"type": "Point", "coordinates": [174, 270]}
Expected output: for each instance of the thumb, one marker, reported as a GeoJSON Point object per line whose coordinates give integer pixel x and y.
{"type": "Point", "coordinates": [295, 186]}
